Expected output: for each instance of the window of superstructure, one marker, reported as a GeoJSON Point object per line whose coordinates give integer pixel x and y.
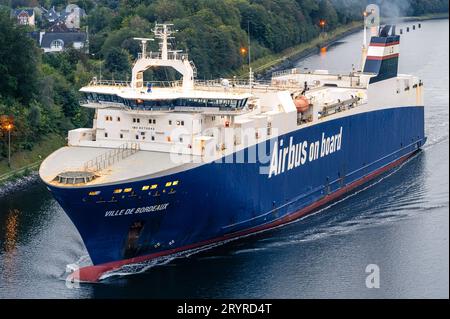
{"type": "Point", "coordinates": [106, 134]}
{"type": "Point", "coordinates": [170, 122]}
{"type": "Point", "coordinates": [121, 135]}
{"type": "Point", "coordinates": [118, 119]}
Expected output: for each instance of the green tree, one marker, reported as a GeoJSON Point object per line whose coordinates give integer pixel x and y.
{"type": "Point", "coordinates": [18, 61]}
{"type": "Point", "coordinates": [117, 60]}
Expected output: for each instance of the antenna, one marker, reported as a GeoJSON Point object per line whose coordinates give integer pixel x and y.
{"type": "Point", "coordinates": [144, 45]}
{"type": "Point", "coordinates": [163, 32]}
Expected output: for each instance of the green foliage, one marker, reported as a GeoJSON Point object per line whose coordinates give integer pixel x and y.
{"type": "Point", "coordinates": [40, 92]}
{"type": "Point", "coordinates": [18, 61]}
{"type": "Point", "coordinates": [117, 60]}
{"type": "Point", "coordinates": [212, 32]}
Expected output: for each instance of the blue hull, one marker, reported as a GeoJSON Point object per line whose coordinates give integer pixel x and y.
{"type": "Point", "coordinates": [217, 201]}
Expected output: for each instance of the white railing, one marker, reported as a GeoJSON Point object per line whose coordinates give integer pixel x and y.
{"type": "Point", "coordinates": [231, 84]}
{"type": "Point", "coordinates": [114, 83]}
{"type": "Point", "coordinates": [117, 83]}
{"type": "Point", "coordinates": [244, 85]}
{"type": "Point", "coordinates": [170, 56]}
{"type": "Point", "coordinates": [111, 157]}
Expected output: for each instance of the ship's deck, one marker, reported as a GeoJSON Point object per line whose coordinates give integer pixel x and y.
{"type": "Point", "coordinates": [136, 166]}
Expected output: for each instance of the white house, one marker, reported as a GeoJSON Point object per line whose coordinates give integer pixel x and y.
{"type": "Point", "coordinates": [58, 41]}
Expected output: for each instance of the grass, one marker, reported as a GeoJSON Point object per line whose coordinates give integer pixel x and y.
{"type": "Point", "coordinates": [25, 162]}
{"type": "Point", "coordinates": [263, 64]}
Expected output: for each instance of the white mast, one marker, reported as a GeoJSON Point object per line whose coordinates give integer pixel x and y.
{"type": "Point", "coordinates": [168, 58]}
{"type": "Point", "coordinates": [163, 32]}
{"type": "Point", "coordinates": [371, 20]}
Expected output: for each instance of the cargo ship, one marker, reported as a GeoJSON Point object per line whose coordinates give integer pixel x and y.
{"type": "Point", "coordinates": [170, 167]}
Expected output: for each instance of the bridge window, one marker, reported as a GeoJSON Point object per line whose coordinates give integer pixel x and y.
{"type": "Point", "coordinates": [185, 102]}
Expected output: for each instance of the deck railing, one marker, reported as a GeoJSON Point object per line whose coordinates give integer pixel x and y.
{"type": "Point", "coordinates": [111, 157]}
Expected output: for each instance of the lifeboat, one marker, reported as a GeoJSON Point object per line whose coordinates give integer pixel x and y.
{"type": "Point", "coordinates": [301, 103]}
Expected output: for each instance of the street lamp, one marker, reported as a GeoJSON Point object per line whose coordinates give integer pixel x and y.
{"type": "Point", "coordinates": [322, 24]}
{"type": "Point", "coordinates": [9, 128]}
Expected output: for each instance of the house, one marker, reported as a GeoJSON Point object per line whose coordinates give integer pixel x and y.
{"type": "Point", "coordinates": [51, 15]}
{"type": "Point", "coordinates": [58, 41]}
{"type": "Point", "coordinates": [71, 16]}
{"type": "Point", "coordinates": [25, 16]}
{"type": "Point", "coordinates": [59, 26]}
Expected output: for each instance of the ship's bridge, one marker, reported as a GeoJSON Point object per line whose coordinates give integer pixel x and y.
{"type": "Point", "coordinates": [169, 97]}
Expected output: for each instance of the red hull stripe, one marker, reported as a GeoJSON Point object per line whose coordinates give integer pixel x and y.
{"type": "Point", "coordinates": [93, 273]}
{"type": "Point", "coordinates": [386, 57]}
{"type": "Point", "coordinates": [384, 44]}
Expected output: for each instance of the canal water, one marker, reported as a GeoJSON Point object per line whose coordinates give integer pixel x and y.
{"type": "Point", "coordinates": [399, 223]}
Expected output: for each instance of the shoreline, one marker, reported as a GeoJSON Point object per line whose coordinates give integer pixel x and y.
{"type": "Point", "coordinates": [25, 164]}
{"type": "Point", "coordinates": [264, 67]}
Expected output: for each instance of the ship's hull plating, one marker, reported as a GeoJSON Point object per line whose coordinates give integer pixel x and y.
{"type": "Point", "coordinates": [220, 201]}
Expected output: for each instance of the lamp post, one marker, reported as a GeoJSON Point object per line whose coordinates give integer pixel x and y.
{"type": "Point", "coordinates": [322, 24]}
{"type": "Point", "coordinates": [9, 128]}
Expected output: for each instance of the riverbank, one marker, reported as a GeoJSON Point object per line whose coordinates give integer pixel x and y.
{"type": "Point", "coordinates": [264, 67]}
{"type": "Point", "coordinates": [24, 163]}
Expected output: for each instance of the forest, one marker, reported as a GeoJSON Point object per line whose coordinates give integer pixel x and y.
{"type": "Point", "coordinates": [39, 92]}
